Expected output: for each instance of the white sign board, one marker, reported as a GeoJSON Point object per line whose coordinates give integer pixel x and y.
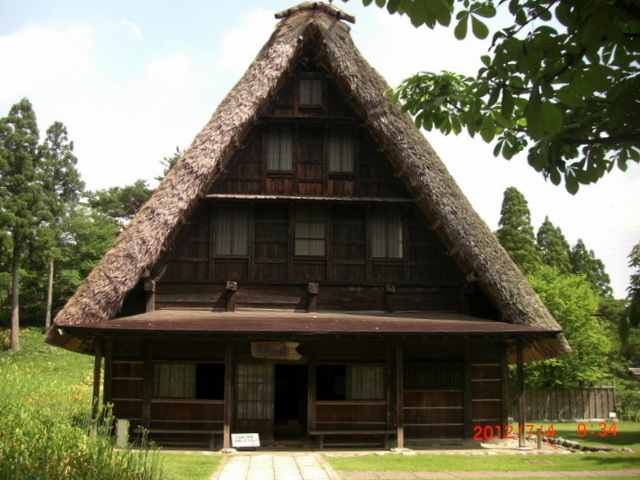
{"type": "Point", "coordinates": [240, 440]}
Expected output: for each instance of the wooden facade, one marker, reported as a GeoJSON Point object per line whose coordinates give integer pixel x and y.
{"type": "Point", "coordinates": [307, 295]}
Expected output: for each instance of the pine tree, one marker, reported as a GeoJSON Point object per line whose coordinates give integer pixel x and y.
{"type": "Point", "coordinates": [62, 187]}
{"type": "Point", "coordinates": [516, 233]}
{"type": "Point", "coordinates": [21, 192]}
{"type": "Point", "coordinates": [584, 262]}
{"type": "Point", "coordinates": [553, 247]}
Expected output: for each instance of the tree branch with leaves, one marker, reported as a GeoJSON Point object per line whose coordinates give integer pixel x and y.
{"type": "Point", "coordinates": [562, 80]}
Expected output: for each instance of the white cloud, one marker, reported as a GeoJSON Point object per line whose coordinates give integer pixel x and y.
{"type": "Point", "coordinates": [240, 45]}
{"type": "Point", "coordinates": [42, 59]}
{"type": "Point", "coordinates": [132, 27]}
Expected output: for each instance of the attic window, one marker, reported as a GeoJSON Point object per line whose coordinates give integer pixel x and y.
{"type": "Point", "coordinates": [310, 92]}
{"type": "Point", "coordinates": [279, 148]}
{"type": "Point", "coordinates": [340, 150]}
{"type": "Point", "coordinates": [232, 230]}
{"type": "Point", "coordinates": [386, 233]}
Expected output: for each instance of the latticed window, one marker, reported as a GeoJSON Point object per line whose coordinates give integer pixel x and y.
{"type": "Point", "coordinates": [279, 147]}
{"type": "Point", "coordinates": [350, 382]}
{"type": "Point", "coordinates": [255, 391]}
{"type": "Point", "coordinates": [232, 229]}
{"type": "Point", "coordinates": [310, 230]}
{"type": "Point", "coordinates": [386, 233]}
{"type": "Point", "coordinates": [365, 382]}
{"type": "Point", "coordinates": [174, 380]}
{"type": "Point", "coordinates": [434, 375]}
{"type": "Point", "coordinates": [310, 91]}
{"type": "Point", "coordinates": [340, 149]}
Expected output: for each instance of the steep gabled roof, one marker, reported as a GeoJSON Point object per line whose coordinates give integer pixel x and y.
{"type": "Point", "coordinates": [469, 239]}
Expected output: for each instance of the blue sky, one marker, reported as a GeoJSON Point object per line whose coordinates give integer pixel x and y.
{"type": "Point", "coordinates": [133, 80]}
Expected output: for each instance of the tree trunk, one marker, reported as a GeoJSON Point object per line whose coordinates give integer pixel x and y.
{"type": "Point", "coordinates": [47, 319]}
{"type": "Point", "coordinates": [14, 342]}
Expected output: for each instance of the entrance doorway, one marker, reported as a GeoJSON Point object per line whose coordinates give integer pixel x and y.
{"type": "Point", "coordinates": [290, 402]}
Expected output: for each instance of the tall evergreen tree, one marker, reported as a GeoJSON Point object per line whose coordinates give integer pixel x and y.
{"type": "Point", "coordinates": [631, 317]}
{"type": "Point", "coordinates": [516, 233]}
{"type": "Point", "coordinates": [120, 204]}
{"type": "Point", "coordinates": [553, 247]}
{"type": "Point", "coordinates": [22, 209]}
{"type": "Point", "coordinates": [62, 186]}
{"type": "Point", "coordinates": [584, 262]}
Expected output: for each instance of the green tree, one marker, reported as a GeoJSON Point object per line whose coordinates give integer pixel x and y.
{"type": "Point", "coordinates": [584, 262]}
{"type": "Point", "coordinates": [63, 187]}
{"type": "Point", "coordinates": [22, 209]}
{"type": "Point", "coordinates": [553, 247]}
{"type": "Point", "coordinates": [562, 76]}
{"type": "Point", "coordinates": [572, 301]}
{"type": "Point", "coordinates": [631, 317]}
{"type": "Point", "coordinates": [120, 204]}
{"type": "Point", "coordinates": [169, 162]}
{"type": "Point", "coordinates": [515, 232]}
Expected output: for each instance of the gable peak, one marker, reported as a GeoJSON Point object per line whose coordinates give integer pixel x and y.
{"type": "Point", "coordinates": [313, 7]}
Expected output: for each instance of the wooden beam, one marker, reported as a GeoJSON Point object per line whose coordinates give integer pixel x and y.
{"type": "Point", "coordinates": [232, 289]}
{"type": "Point", "coordinates": [150, 288]}
{"type": "Point", "coordinates": [313, 289]}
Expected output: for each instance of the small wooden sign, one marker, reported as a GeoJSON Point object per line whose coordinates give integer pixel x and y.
{"type": "Point", "coordinates": [245, 440]}
{"type": "Point", "coordinates": [275, 350]}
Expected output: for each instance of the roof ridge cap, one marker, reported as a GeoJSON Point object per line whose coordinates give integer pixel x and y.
{"type": "Point", "coordinates": [317, 6]}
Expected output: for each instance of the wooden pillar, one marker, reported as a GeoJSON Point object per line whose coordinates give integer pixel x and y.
{"type": "Point", "coordinates": [399, 396]}
{"type": "Point", "coordinates": [521, 399]}
{"type": "Point", "coordinates": [229, 381]}
{"type": "Point", "coordinates": [107, 395]}
{"type": "Point", "coordinates": [467, 412]}
{"type": "Point", "coordinates": [147, 384]}
{"type": "Point", "coordinates": [504, 381]}
{"type": "Point", "coordinates": [97, 370]}
{"type": "Point", "coordinates": [311, 388]}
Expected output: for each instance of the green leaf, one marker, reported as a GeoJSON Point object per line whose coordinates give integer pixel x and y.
{"type": "Point", "coordinates": [366, 3]}
{"type": "Point", "coordinates": [486, 10]}
{"type": "Point", "coordinates": [480, 30]}
{"type": "Point", "coordinates": [506, 108]}
{"type": "Point", "coordinates": [380, 3]}
{"type": "Point", "coordinates": [534, 115]}
{"type": "Point", "coordinates": [488, 129]}
{"type": "Point", "coordinates": [393, 6]}
{"type": "Point", "coordinates": [460, 31]}
{"type": "Point", "coordinates": [571, 184]}
{"type": "Point", "coordinates": [552, 117]}
{"type": "Point", "coordinates": [418, 14]}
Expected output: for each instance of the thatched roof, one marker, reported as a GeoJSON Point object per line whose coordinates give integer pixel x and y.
{"type": "Point", "coordinates": [141, 245]}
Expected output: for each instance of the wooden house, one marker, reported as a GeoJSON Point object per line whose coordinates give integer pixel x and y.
{"type": "Point", "coordinates": [308, 271]}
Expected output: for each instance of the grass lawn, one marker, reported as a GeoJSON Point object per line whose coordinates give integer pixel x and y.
{"type": "Point", "coordinates": [45, 393]}
{"type": "Point", "coordinates": [188, 466]}
{"type": "Point", "coordinates": [628, 435]}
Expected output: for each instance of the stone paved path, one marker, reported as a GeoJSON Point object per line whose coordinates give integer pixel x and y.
{"type": "Point", "coordinates": [276, 467]}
